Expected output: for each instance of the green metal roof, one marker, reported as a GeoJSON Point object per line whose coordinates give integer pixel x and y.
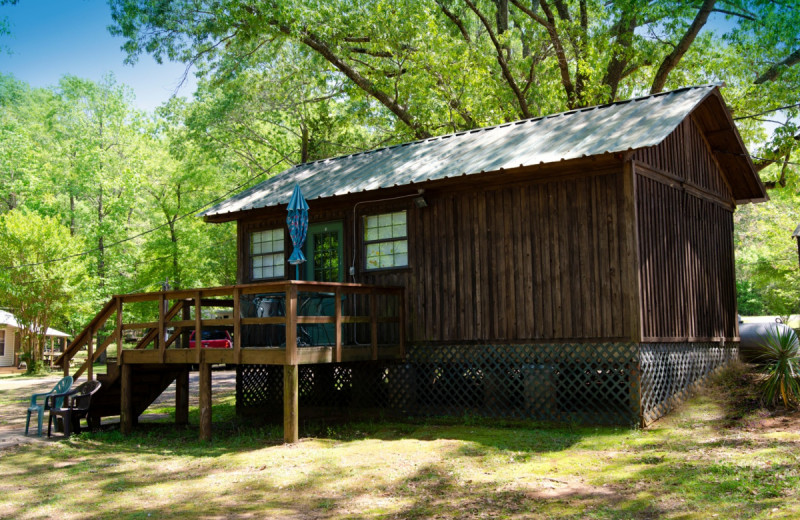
{"type": "Point", "coordinates": [586, 132]}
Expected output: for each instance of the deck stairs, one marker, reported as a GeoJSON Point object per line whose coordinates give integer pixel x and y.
{"type": "Point", "coordinates": [148, 385]}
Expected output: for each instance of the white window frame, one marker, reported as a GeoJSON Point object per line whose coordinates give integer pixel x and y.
{"type": "Point", "coordinates": [267, 257]}
{"type": "Point", "coordinates": [385, 241]}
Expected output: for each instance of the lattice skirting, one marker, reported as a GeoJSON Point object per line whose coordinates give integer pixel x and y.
{"type": "Point", "coordinates": [604, 383]}
{"type": "Point", "coordinates": [671, 372]}
{"type": "Point", "coordinates": [586, 383]}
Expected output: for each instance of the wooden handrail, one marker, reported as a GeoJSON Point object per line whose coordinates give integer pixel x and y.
{"type": "Point", "coordinates": [97, 322]}
{"type": "Point", "coordinates": [229, 297]}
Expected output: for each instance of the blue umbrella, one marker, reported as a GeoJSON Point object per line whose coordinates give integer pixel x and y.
{"type": "Point", "coordinates": [298, 226]}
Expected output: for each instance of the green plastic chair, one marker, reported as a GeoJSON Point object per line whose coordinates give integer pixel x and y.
{"type": "Point", "coordinates": [61, 387]}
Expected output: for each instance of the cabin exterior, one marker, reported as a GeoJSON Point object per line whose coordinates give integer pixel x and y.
{"type": "Point", "coordinates": [576, 267]}
{"type": "Point", "coordinates": [572, 267]}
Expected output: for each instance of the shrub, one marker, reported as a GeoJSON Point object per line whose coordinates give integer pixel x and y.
{"type": "Point", "coordinates": [779, 362]}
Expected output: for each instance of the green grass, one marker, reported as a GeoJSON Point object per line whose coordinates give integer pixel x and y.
{"type": "Point", "coordinates": [715, 457]}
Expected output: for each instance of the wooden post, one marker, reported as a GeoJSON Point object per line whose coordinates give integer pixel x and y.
{"type": "Point", "coordinates": [237, 326]}
{"type": "Point", "coordinates": [337, 295]}
{"type": "Point", "coordinates": [162, 343]}
{"type": "Point", "coordinates": [198, 327]}
{"type": "Point", "coordinates": [126, 401]}
{"type": "Point", "coordinates": [118, 329]}
{"type": "Point", "coordinates": [182, 398]}
{"type": "Point", "coordinates": [373, 322]}
{"type": "Point", "coordinates": [90, 356]}
{"type": "Point", "coordinates": [291, 428]}
{"type": "Point", "coordinates": [631, 290]}
{"type": "Point", "coordinates": [186, 315]}
{"type": "Point", "coordinates": [291, 325]}
{"type": "Point", "coordinates": [205, 400]}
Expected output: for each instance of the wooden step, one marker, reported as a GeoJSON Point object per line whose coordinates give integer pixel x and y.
{"type": "Point", "coordinates": [148, 385]}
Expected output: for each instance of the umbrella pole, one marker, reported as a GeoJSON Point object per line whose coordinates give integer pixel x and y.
{"type": "Point", "coordinates": [297, 272]}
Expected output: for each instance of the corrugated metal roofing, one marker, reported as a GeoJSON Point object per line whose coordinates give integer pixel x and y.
{"type": "Point", "coordinates": [613, 128]}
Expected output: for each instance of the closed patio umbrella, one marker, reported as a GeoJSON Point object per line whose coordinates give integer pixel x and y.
{"type": "Point", "coordinates": [297, 220]}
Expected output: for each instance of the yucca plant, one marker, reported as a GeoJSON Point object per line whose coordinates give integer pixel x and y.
{"type": "Point", "coordinates": [779, 361]}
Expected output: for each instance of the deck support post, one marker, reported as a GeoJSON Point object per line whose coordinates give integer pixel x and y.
{"type": "Point", "coordinates": [90, 355]}
{"type": "Point", "coordinates": [290, 404]}
{"type": "Point", "coordinates": [182, 398]}
{"type": "Point", "coordinates": [205, 401]}
{"type": "Point", "coordinates": [126, 401]}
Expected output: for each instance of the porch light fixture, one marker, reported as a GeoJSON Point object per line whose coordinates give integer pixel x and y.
{"type": "Point", "coordinates": [420, 202]}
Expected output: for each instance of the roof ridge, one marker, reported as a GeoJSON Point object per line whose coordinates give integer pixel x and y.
{"type": "Point", "coordinates": [461, 133]}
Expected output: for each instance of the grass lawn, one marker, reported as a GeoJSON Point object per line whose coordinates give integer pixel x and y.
{"type": "Point", "coordinates": [720, 456]}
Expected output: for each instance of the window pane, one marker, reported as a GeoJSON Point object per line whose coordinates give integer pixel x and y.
{"type": "Point", "coordinates": [384, 232]}
{"type": "Point", "coordinates": [385, 219]}
{"type": "Point", "coordinates": [258, 273]}
{"type": "Point", "coordinates": [387, 261]}
{"type": "Point", "coordinates": [398, 230]}
{"type": "Point", "coordinates": [372, 234]}
{"type": "Point", "coordinates": [401, 246]}
{"type": "Point", "coordinates": [399, 218]}
{"type": "Point", "coordinates": [400, 259]}
{"type": "Point", "coordinates": [373, 255]}
{"type": "Point", "coordinates": [387, 248]}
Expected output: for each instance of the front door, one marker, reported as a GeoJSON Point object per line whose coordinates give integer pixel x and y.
{"type": "Point", "coordinates": [324, 263]}
{"type": "Point", "coordinates": [324, 252]}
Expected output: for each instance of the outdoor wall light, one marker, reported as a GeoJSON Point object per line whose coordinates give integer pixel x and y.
{"type": "Point", "coordinates": [420, 202]}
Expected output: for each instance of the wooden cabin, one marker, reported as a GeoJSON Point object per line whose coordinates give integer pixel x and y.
{"type": "Point", "coordinates": [576, 267]}
{"type": "Point", "coordinates": [589, 248]}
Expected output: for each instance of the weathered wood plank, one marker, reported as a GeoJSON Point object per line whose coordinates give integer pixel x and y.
{"type": "Point", "coordinates": [204, 400]}
{"type": "Point", "coordinates": [182, 398]}
{"type": "Point", "coordinates": [291, 429]}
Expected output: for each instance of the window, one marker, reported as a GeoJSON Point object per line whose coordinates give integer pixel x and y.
{"type": "Point", "coordinates": [266, 254]}
{"type": "Point", "coordinates": [2, 343]}
{"type": "Point", "coordinates": [386, 240]}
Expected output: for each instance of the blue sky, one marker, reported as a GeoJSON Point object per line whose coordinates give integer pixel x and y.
{"type": "Point", "coordinates": [51, 38]}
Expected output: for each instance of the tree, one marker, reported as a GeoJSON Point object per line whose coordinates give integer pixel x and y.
{"type": "Point", "coordinates": [94, 163]}
{"type": "Point", "coordinates": [766, 255]}
{"type": "Point", "coordinates": [434, 64]}
{"type": "Point", "coordinates": [38, 289]}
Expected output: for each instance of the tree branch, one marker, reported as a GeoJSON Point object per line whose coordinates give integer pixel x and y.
{"type": "Point", "coordinates": [523, 104]}
{"type": "Point", "coordinates": [673, 58]}
{"type": "Point", "coordinates": [455, 19]}
{"type": "Point", "coordinates": [774, 71]}
{"type": "Point", "coordinates": [361, 82]}
{"type": "Point", "coordinates": [561, 57]}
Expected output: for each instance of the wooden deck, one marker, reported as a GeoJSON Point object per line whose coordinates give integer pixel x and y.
{"type": "Point", "coordinates": [162, 354]}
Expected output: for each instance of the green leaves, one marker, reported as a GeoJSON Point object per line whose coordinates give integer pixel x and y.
{"type": "Point", "coordinates": [779, 362]}
{"type": "Point", "coordinates": [42, 275]}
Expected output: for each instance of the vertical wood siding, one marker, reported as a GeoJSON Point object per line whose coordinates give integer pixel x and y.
{"type": "Point", "coordinates": [538, 261]}
{"type": "Point", "coordinates": [687, 155]}
{"type": "Point", "coordinates": [685, 225]}
{"type": "Point", "coordinates": [529, 262]}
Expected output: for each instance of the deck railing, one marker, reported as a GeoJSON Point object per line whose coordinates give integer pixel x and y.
{"type": "Point", "coordinates": [180, 312]}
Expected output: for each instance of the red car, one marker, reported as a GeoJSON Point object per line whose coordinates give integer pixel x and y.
{"type": "Point", "coordinates": [213, 338]}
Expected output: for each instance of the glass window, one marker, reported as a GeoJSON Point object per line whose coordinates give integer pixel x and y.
{"type": "Point", "coordinates": [2, 343]}
{"type": "Point", "coordinates": [386, 240]}
{"type": "Point", "coordinates": [266, 254]}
